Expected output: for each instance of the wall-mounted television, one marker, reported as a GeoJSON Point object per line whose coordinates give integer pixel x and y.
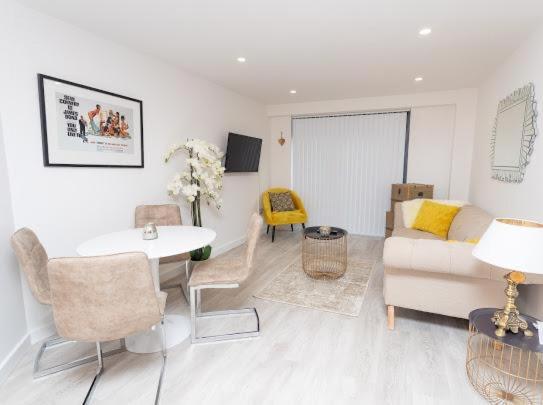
{"type": "Point", "coordinates": [242, 153]}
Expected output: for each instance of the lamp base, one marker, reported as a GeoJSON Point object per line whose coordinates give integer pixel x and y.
{"type": "Point", "coordinates": [508, 318]}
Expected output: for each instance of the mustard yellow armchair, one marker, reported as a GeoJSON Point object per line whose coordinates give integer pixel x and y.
{"type": "Point", "coordinates": [298, 216]}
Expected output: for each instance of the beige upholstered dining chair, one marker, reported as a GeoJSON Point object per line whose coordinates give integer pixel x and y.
{"type": "Point", "coordinates": [166, 215]}
{"type": "Point", "coordinates": [224, 273]}
{"type": "Point", "coordinates": [103, 298]}
{"type": "Point", "coordinates": [33, 259]}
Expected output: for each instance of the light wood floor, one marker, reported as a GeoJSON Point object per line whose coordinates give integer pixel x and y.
{"type": "Point", "coordinates": [302, 357]}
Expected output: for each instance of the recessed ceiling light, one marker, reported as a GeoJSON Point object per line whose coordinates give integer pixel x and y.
{"type": "Point", "coordinates": [292, 92]}
{"type": "Point", "coordinates": [241, 59]}
{"type": "Point", "coordinates": [425, 31]}
{"type": "Point", "coordinates": [419, 79]}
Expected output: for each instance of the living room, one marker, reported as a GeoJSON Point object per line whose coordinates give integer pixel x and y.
{"type": "Point", "coordinates": [203, 157]}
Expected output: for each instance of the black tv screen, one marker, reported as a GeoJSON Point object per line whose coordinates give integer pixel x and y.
{"type": "Point", "coordinates": [242, 153]}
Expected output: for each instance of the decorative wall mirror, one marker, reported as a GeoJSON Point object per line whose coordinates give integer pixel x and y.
{"type": "Point", "coordinates": [514, 134]}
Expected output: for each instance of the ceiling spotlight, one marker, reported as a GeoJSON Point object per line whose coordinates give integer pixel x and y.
{"type": "Point", "coordinates": [418, 79]}
{"type": "Point", "coordinates": [241, 59]}
{"type": "Point", "coordinates": [425, 31]}
{"type": "Point", "coordinates": [292, 92]}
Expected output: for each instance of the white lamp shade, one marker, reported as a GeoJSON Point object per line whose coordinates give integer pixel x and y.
{"type": "Point", "coordinates": [513, 244]}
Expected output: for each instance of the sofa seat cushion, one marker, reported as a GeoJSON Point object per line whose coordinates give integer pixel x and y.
{"type": "Point", "coordinates": [435, 256]}
{"type": "Point", "coordinates": [469, 224]}
{"type": "Point", "coordinates": [414, 234]}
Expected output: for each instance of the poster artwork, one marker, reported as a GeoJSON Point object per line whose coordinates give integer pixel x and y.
{"type": "Point", "coordinates": [94, 126]}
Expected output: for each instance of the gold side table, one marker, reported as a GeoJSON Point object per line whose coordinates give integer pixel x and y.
{"type": "Point", "coordinates": [324, 257]}
{"type": "Point", "coordinates": [504, 370]}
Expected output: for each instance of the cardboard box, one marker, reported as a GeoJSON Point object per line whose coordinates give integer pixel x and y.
{"type": "Point", "coordinates": [388, 233]}
{"type": "Point", "coordinates": [410, 191]}
{"type": "Point", "coordinates": [390, 220]}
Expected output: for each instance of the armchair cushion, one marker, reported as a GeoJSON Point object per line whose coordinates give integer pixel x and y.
{"type": "Point", "coordinates": [281, 202]}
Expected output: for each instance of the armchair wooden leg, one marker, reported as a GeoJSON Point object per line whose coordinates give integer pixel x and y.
{"type": "Point", "coordinates": [268, 230]}
{"type": "Point", "coordinates": [303, 226]}
{"type": "Point", "coordinates": [390, 317]}
{"type": "Point", "coordinates": [273, 233]}
{"type": "Point", "coordinates": [292, 228]}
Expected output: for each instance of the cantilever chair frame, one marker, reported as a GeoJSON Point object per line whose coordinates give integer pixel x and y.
{"type": "Point", "coordinates": [195, 314]}
{"type": "Point", "coordinates": [100, 368]}
{"type": "Point", "coordinates": [58, 341]}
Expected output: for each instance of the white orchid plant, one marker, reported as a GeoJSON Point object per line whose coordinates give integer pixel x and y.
{"type": "Point", "coordinates": [201, 179]}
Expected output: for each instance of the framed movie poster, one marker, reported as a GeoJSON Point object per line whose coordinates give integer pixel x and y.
{"type": "Point", "coordinates": [83, 126]}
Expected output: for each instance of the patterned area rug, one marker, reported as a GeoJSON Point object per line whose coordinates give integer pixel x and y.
{"type": "Point", "coordinates": [342, 296]}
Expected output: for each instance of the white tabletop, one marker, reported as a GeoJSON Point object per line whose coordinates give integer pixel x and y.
{"type": "Point", "coordinates": [172, 240]}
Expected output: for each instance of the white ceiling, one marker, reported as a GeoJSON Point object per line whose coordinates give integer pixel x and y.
{"type": "Point", "coordinates": [323, 49]}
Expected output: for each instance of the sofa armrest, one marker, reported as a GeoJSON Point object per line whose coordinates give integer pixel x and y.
{"type": "Point", "coordinates": [435, 256]}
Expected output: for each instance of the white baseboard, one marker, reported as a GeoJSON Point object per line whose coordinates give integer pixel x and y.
{"type": "Point", "coordinates": [13, 358]}
{"type": "Point", "coordinates": [228, 246]}
{"type": "Point", "coordinates": [42, 332]}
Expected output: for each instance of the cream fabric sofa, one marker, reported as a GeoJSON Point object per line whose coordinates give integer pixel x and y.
{"type": "Point", "coordinates": [426, 273]}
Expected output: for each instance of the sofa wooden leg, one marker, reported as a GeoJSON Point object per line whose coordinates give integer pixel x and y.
{"type": "Point", "coordinates": [273, 233]}
{"type": "Point", "coordinates": [292, 228]}
{"type": "Point", "coordinates": [268, 230]}
{"type": "Point", "coordinates": [303, 226]}
{"type": "Point", "coordinates": [390, 317]}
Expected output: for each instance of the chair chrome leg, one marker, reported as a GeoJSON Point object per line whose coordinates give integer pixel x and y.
{"type": "Point", "coordinates": [164, 358]}
{"type": "Point", "coordinates": [57, 341]}
{"type": "Point", "coordinates": [97, 376]}
{"type": "Point", "coordinates": [198, 301]}
{"type": "Point", "coordinates": [194, 316]}
{"type": "Point", "coordinates": [192, 292]}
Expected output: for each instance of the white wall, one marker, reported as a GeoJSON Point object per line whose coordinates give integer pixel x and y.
{"type": "Point", "coordinates": [431, 139]}
{"type": "Point", "coordinates": [12, 315]}
{"type": "Point", "coordinates": [66, 206]}
{"type": "Point", "coordinates": [505, 199]}
{"type": "Point", "coordinates": [427, 116]}
{"type": "Point", "coordinates": [524, 200]}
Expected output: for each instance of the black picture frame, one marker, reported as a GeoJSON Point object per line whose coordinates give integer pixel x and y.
{"type": "Point", "coordinates": [44, 124]}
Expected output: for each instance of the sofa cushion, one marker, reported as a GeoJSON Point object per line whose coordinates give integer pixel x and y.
{"type": "Point", "coordinates": [411, 208]}
{"type": "Point", "coordinates": [413, 234]}
{"type": "Point", "coordinates": [435, 218]}
{"type": "Point", "coordinates": [469, 224]}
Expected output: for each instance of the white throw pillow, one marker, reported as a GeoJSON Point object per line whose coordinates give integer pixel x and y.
{"type": "Point", "coordinates": [410, 209]}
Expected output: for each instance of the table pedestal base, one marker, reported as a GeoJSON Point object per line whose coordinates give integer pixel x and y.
{"type": "Point", "coordinates": [176, 328]}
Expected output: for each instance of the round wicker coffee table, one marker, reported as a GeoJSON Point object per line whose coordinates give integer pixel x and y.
{"type": "Point", "coordinates": [504, 370]}
{"type": "Point", "coordinates": [324, 257]}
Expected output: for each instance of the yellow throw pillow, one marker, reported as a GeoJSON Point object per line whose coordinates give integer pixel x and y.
{"type": "Point", "coordinates": [435, 218]}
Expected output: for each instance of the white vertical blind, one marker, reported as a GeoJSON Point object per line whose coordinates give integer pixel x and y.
{"type": "Point", "coordinates": [343, 167]}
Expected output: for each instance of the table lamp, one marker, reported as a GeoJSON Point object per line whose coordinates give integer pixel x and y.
{"type": "Point", "coordinates": [516, 245]}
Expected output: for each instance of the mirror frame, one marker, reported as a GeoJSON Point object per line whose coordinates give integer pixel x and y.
{"type": "Point", "coordinates": [529, 133]}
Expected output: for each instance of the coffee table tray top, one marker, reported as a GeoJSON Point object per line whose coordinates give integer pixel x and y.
{"type": "Point", "coordinates": [313, 232]}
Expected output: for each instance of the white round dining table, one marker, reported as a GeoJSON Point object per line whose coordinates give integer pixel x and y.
{"type": "Point", "coordinates": [172, 240]}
